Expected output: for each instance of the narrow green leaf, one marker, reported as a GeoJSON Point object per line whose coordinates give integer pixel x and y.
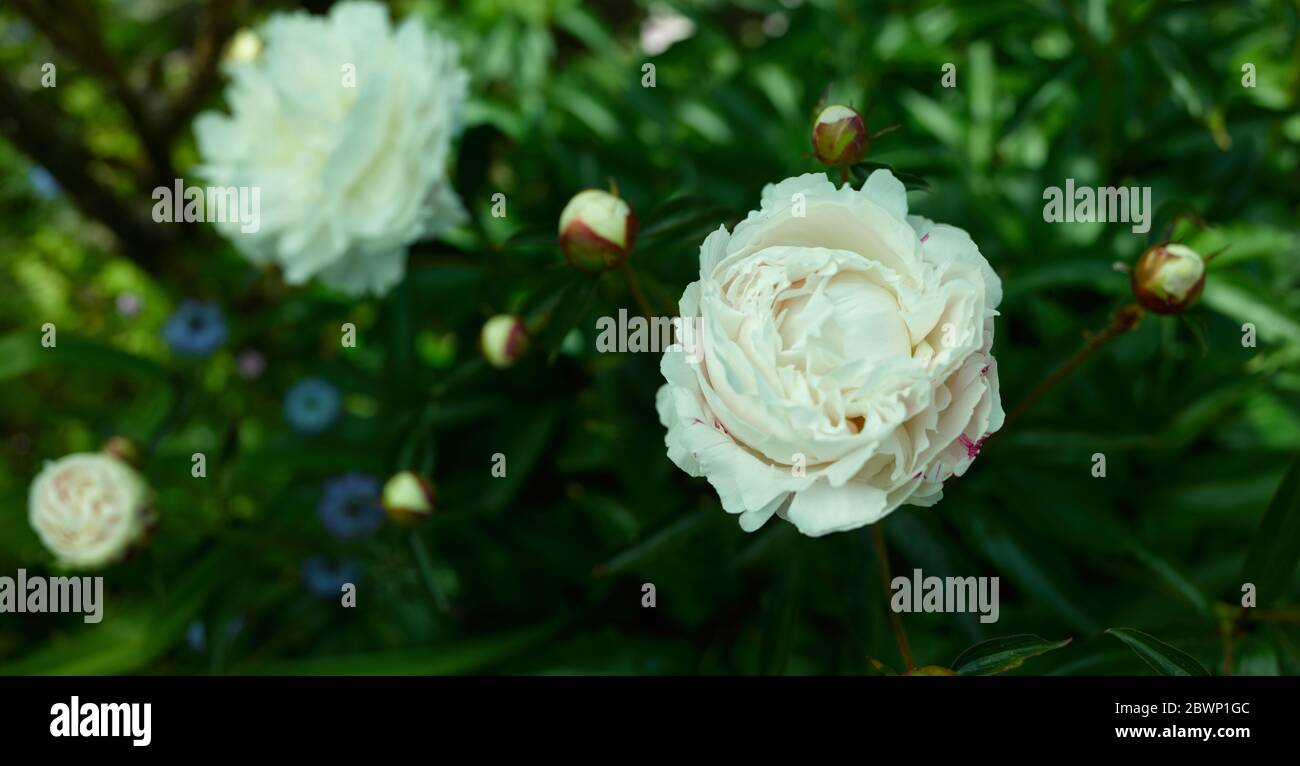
{"type": "Point", "coordinates": [1165, 659]}
{"type": "Point", "coordinates": [657, 543]}
{"type": "Point", "coordinates": [780, 613]}
{"type": "Point", "coordinates": [1276, 547]}
{"type": "Point", "coordinates": [1248, 304]}
{"type": "Point", "coordinates": [21, 353]}
{"type": "Point", "coordinates": [933, 117]}
{"type": "Point", "coordinates": [130, 639]}
{"type": "Point", "coordinates": [998, 655]}
{"type": "Point", "coordinates": [1171, 576]}
{"type": "Point", "coordinates": [453, 658]}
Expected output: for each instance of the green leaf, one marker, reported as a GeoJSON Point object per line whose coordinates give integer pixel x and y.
{"type": "Point", "coordinates": [21, 353]}
{"type": "Point", "coordinates": [780, 613]}
{"type": "Point", "coordinates": [452, 658]}
{"type": "Point", "coordinates": [998, 655]}
{"type": "Point", "coordinates": [528, 445]}
{"type": "Point", "coordinates": [661, 541]}
{"type": "Point", "coordinates": [1276, 547]}
{"type": "Point", "coordinates": [130, 639]}
{"type": "Point", "coordinates": [1172, 577]}
{"type": "Point", "coordinates": [1247, 304]}
{"type": "Point", "coordinates": [933, 117]}
{"type": "Point", "coordinates": [1028, 569]}
{"type": "Point", "coordinates": [1163, 658]}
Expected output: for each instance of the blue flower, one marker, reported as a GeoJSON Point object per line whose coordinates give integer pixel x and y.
{"type": "Point", "coordinates": [312, 405]}
{"type": "Point", "coordinates": [196, 329]}
{"type": "Point", "coordinates": [350, 505]}
{"type": "Point", "coordinates": [196, 636]}
{"type": "Point", "coordinates": [325, 579]}
{"type": "Point", "coordinates": [43, 183]}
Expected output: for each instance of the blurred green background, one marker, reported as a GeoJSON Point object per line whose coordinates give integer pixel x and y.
{"type": "Point", "coordinates": [542, 571]}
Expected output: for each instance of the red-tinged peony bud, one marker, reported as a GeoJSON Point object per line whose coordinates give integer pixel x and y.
{"type": "Point", "coordinates": [504, 340]}
{"type": "Point", "coordinates": [1168, 278]}
{"type": "Point", "coordinates": [840, 136]}
{"type": "Point", "coordinates": [597, 231]}
{"type": "Point", "coordinates": [408, 497]}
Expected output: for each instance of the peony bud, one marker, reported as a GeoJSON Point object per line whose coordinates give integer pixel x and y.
{"type": "Point", "coordinates": [931, 670]}
{"type": "Point", "coordinates": [597, 230]}
{"type": "Point", "coordinates": [840, 136]}
{"type": "Point", "coordinates": [504, 340]}
{"type": "Point", "coordinates": [88, 509]}
{"type": "Point", "coordinates": [244, 46]}
{"type": "Point", "coordinates": [123, 449]}
{"type": "Point", "coordinates": [1169, 278]}
{"type": "Point", "coordinates": [408, 497]}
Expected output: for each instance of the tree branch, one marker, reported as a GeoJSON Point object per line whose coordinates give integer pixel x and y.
{"type": "Point", "coordinates": [41, 135]}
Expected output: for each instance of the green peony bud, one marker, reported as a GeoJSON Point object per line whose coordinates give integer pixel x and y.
{"type": "Point", "coordinates": [1168, 278]}
{"type": "Point", "coordinates": [504, 340]}
{"type": "Point", "coordinates": [408, 497]}
{"type": "Point", "coordinates": [931, 670]}
{"type": "Point", "coordinates": [840, 136]}
{"type": "Point", "coordinates": [597, 230]}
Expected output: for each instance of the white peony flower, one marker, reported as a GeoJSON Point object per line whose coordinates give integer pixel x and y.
{"type": "Point", "coordinates": [846, 362]}
{"type": "Point", "coordinates": [88, 509]}
{"type": "Point", "coordinates": [345, 125]}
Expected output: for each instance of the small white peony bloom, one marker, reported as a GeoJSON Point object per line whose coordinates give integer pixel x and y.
{"type": "Point", "coordinates": [344, 124]}
{"type": "Point", "coordinates": [88, 509]}
{"type": "Point", "coordinates": [846, 362]}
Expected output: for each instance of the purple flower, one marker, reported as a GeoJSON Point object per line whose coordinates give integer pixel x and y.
{"type": "Point", "coordinates": [251, 363]}
{"type": "Point", "coordinates": [128, 304]}
{"type": "Point", "coordinates": [350, 506]}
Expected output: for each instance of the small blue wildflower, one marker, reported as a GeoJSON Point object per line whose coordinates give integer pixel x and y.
{"type": "Point", "coordinates": [43, 183]}
{"type": "Point", "coordinates": [325, 579]}
{"type": "Point", "coordinates": [312, 405]}
{"type": "Point", "coordinates": [196, 636]}
{"type": "Point", "coordinates": [196, 329]}
{"type": "Point", "coordinates": [234, 626]}
{"type": "Point", "coordinates": [350, 505]}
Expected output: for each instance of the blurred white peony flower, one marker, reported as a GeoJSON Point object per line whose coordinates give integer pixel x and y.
{"type": "Point", "coordinates": [345, 124]}
{"type": "Point", "coordinates": [88, 509]}
{"type": "Point", "coordinates": [846, 358]}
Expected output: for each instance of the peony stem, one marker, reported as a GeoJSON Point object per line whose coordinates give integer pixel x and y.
{"type": "Point", "coordinates": [1123, 320]}
{"type": "Point", "coordinates": [900, 635]}
{"type": "Point", "coordinates": [423, 563]}
{"type": "Point", "coordinates": [635, 288]}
